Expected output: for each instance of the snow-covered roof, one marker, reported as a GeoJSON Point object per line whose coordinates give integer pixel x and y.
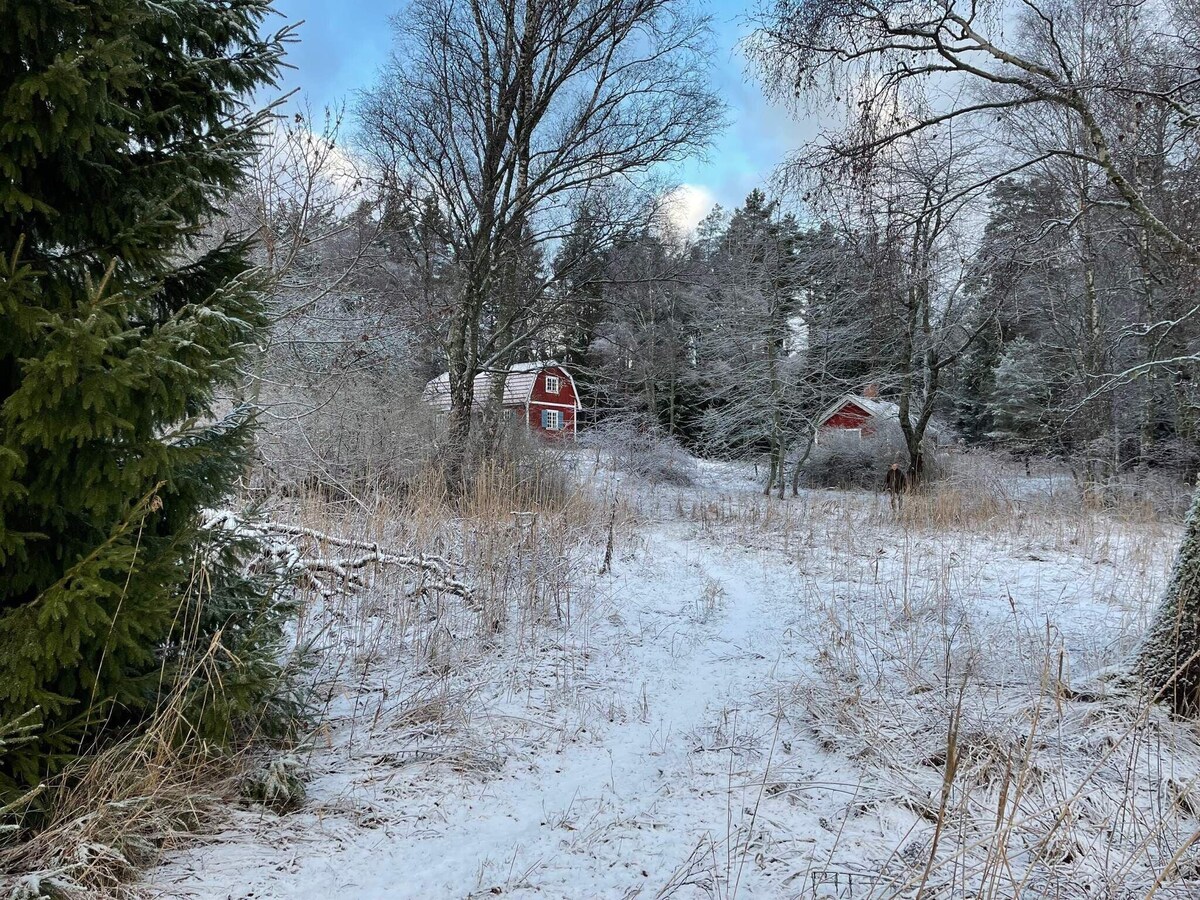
{"type": "Point", "coordinates": [517, 387]}
{"type": "Point", "coordinates": [872, 406]}
{"type": "Point", "coordinates": [876, 409]}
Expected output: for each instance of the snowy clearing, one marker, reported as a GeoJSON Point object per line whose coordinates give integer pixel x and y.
{"type": "Point", "coordinates": [757, 701]}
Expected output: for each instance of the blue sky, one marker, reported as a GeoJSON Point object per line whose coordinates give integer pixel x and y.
{"type": "Point", "coordinates": [343, 44]}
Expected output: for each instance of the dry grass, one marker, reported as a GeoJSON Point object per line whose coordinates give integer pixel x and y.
{"type": "Point", "coordinates": [113, 813]}
{"type": "Point", "coordinates": [979, 497]}
{"type": "Point", "coordinates": [519, 536]}
{"type": "Point", "coordinates": [128, 806]}
{"type": "Point", "coordinates": [944, 676]}
{"type": "Point", "coordinates": [947, 649]}
{"type": "Point", "coordinates": [422, 671]}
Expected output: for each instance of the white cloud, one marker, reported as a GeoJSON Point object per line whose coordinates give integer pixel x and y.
{"type": "Point", "coordinates": [308, 169]}
{"type": "Point", "coordinates": [687, 204]}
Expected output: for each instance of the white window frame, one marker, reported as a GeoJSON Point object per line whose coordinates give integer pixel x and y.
{"type": "Point", "coordinates": [553, 384]}
{"type": "Point", "coordinates": [554, 419]}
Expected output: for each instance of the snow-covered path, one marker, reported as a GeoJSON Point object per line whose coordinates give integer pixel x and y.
{"type": "Point", "coordinates": [632, 763]}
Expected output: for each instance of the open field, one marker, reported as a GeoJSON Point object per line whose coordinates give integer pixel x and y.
{"type": "Point", "coordinates": [762, 698]}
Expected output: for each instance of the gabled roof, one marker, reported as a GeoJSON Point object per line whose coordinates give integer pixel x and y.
{"type": "Point", "coordinates": [518, 386]}
{"type": "Point", "coordinates": [873, 407]}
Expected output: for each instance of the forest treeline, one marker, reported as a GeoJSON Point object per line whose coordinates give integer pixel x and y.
{"type": "Point", "coordinates": [1006, 251]}
{"type": "Point", "coordinates": [1025, 333]}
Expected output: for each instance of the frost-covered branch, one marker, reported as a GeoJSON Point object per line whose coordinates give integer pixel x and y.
{"type": "Point", "coordinates": [331, 565]}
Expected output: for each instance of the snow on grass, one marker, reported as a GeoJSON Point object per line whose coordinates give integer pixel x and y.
{"type": "Point", "coordinates": [763, 699]}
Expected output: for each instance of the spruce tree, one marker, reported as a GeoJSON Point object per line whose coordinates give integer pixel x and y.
{"type": "Point", "coordinates": [1020, 394]}
{"type": "Point", "coordinates": [973, 386]}
{"type": "Point", "coordinates": [124, 127]}
{"type": "Point", "coordinates": [579, 270]}
{"type": "Point", "coordinates": [1168, 661]}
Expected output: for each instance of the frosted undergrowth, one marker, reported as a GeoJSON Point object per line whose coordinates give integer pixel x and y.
{"type": "Point", "coordinates": [760, 700]}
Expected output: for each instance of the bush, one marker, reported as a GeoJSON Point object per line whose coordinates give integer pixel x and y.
{"type": "Point", "coordinates": [638, 445]}
{"type": "Point", "coordinates": [845, 460]}
{"type": "Point", "coordinates": [374, 433]}
{"type": "Point", "coordinates": [378, 436]}
{"type": "Point", "coordinates": [526, 468]}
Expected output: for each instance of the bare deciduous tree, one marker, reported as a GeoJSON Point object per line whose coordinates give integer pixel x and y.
{"type": "Point", "coordinates": [511, 115]}
{"type": "Point", "coordinates": [1061, 79]}
{"type": "Point", "coordinates": [1104, 86]}
{"type": "Point", "coordinates": [904, 215]}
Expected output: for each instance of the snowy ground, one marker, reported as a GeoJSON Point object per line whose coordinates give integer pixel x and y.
{"type": "Point", "coordinates": [755, 702]}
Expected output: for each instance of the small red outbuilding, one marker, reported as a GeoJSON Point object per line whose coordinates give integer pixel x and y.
{"type": "Point", "coordinates": [542, 394]}
{"type": "Point", "coordinates": [857, 413]}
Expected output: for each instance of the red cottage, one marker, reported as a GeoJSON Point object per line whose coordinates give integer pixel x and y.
{"type": "Point", "coordinates": [542, 394]}
{"type": "Point", "coordinates": [858, 414]}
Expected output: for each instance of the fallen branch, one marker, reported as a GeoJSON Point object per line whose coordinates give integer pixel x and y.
{"type": "Point", "coordinates": [302, 555]}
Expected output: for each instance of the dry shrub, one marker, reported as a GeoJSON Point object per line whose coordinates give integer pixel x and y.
{"type": "Point", "coordinates": [969, 492]}
{"type": "Point", "coordinates": [947, 506]}
{"type": "Point", "coordinates": [524, 533]}
{"type": "Point", "coordinates": [374, 433]}
{"type": "Point", "coordinates": [977, 488]}
{"type": "Point", "coordinates": [846, 460]}
{"type": "Point", "coordinates": [1141, 496]}
{"type": "Point", "coordinates": [637, 444]}
{"type": "Point", "coordinates": [527, 471]}
{"type": "Point", "coordinates": [522, 528]}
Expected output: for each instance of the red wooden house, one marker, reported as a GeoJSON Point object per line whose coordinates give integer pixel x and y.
{"type": "Point", "coordinates": [859, 414]}
{"type": "Point", "coordinates": [863, 414]}
{"type": "Point", "coordinates": [541, 394]}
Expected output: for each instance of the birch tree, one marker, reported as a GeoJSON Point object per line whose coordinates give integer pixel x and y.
{"type": "Point", "coordinates": [1070, 80]}
{"type": "Point", "coordinates": [510, 115]}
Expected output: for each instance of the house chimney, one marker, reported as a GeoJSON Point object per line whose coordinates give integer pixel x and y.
{"type": "Point", "coordinates": [871, 391]}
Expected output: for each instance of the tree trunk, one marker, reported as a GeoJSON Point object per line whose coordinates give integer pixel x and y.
{"type": "Point", "coordinates": [914, 432]}
{"type": "Point", "coordinates": [803, 458]}
{"type": "Point", "coordinates": [461, 376]}
{"type": "Point", "coordinates": [1095, 420]}
{"type": "Point", "coordinates": [1169, 659]}
{"type": "Point", "coordinates": [454, 459]}
{"type": "Point", "coordinates": [782, 469]}
{"type": "Point", "coordinates": [772, 470]}
{"type": "Point", "coordinates": [492, 421]}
